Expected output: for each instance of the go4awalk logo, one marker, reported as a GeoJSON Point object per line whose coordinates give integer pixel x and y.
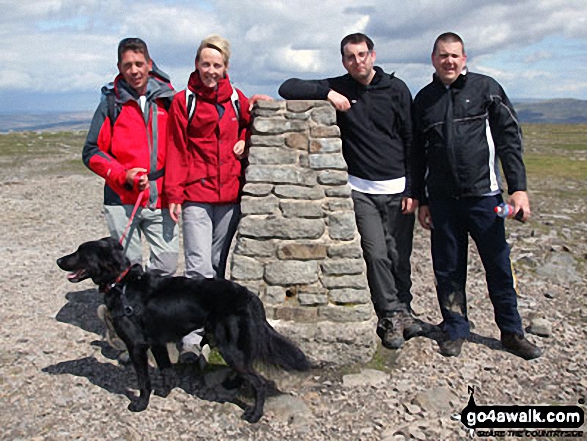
{"type": "Point", "coordinates": [522, 421]}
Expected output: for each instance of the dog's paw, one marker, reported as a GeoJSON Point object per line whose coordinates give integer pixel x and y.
{"type": "Point", "coordinates": [137, 406]}
{"type": "Point", "coordinates": [250, 415]}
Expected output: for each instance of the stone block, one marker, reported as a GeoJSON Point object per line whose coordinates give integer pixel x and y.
{"type": "Point", "coordinates": [325, 132]}
{"type": "Point", "coordinates": [345, 314]}
{"type": "Point", "coordinates": [268, 104]}
{"type": "Point", "coordinates": [281, 228]}
{"type": "Point", "coordinates": [299, 106]}
{"type": "Point", "coordinates": [349, 296]}
{"type": "Point", "coordinates": [298, 192]}
{"type": "Point", "coordinates": [342, 226]}
{"type": "Point", "coordinates": [298, 116]}
{"type": "Point", "coordinates": [327, 161]}
{"type": "Point", "coordinates": [339, 204]}
{"type": "Point", "coordinates": [274, 295]}
{"type": "Point", "coordinates": [301, 251]}
{"type": "Point", "coordinates": [333, 177]}
{"type": "Point", "coordinates": [246, 268]}
{"type": "Point", "coordinates": [262, 205]}
{"type": "Point", "coordinates": [343, 191]}
{"type": "Point", "coordinates": [280, 175]}
{"type": "Point", "coordinates": [354, 281]}
{"type": "Point", "coordinates": [292, 272]}
{"type": "Point", "coordinates": [326, 145]}
{"type": "Point", "coordinates": [305, 209]}
{"type": "Point", "coordinates": [257, 189]}
{"type": "Point", "coordinates": [351, 250]}
{"type": "Point", "coordinates": [269, 141]}
{"type": "Point", "coordinates": [312, 299]}
{"type": "Point", "coordinates": [325, 115]}
{"type": "Point", "coordinates": [342, 267]}
{"type": "Point", "coordinates": [297, 141]}
{"type": "Point", "coordinates": [253, 247]}
{"type": "Point", "coordinates": [301, 314]}
{"type": "Point", "coordinates": [272, 155]}
{"type": "Point", "coordinates": [275, 126]}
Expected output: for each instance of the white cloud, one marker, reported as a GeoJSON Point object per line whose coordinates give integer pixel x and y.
{"type": "Point", "coordinates": [70, 45]}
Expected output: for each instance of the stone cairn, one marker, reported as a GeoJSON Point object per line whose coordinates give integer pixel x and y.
{"type": "Point", "coordinates": [297, 244]}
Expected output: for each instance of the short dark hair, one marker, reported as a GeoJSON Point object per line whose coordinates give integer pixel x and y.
{"type": "Point", "coordinates": [448, 37]}
{"type": "Point", "coordinates": [132, 44]}
{"type": "Point", "coordinates": [356, 38]}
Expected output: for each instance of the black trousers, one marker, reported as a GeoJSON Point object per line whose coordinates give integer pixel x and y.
{"type": "Point", "coordinates": [453, 221]}
{"type": "Point", "coordinates": [386, 240]}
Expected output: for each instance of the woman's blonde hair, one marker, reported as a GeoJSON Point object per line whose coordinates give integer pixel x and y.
{"type": "Point", "coordinates": [215, 42]}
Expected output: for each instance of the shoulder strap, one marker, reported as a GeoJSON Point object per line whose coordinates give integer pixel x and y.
{"type": "Point", "coordinates": [113, 108]}
{"type": "Point", "coordinates": [191, 101]}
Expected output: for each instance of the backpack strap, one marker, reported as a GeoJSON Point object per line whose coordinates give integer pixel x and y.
{"type": "Point", "coordinates": [191, 102]}
{"type": "Point", "coordinates": [113, 107]}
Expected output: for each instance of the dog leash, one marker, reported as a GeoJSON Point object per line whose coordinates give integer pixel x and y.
{"type": "Point", "coordinates": [132, 216]}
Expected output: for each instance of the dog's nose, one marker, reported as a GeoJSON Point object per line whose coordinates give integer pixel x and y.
{"type": "Point", "coordinates": [59, 261]}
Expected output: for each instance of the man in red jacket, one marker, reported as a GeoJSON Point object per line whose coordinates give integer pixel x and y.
{"type": "Point", "coordinates": [126, 145]}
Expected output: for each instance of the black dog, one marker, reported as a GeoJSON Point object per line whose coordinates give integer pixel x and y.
{"type": "Point", "coordinates": [149, 311]}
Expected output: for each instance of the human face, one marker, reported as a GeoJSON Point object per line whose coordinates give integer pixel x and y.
{"type": "Point", "coordinates": [449, 61]}
{"type": "Point", "coordinates": [211, 66]}
{"type": "Point", "coordinates": [358, 61]}
{"type": "Point", "coordinates": [135, 68]}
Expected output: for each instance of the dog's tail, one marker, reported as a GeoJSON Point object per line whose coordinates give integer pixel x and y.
{"type": "Point", "coordinates": [274, 348]}
{"type": "Point", "coordinates": [280, 350]}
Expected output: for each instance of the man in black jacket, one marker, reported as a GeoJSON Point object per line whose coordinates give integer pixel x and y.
{"type": "Point", "coordinates": [374, 117]}
{"type": "Point", "coordinates": [463, 124]}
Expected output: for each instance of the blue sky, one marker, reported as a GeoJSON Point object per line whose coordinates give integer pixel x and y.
{"type": "Point", "coordinates": [56, 54]}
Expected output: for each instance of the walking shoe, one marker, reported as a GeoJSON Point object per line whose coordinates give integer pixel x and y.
{"type": "Point", "coordinates": [411, 327]}
{"type": "Point", "coordinates": [451, 348]}
{"type": "Point", "coordinates": [110, 336]}
{"type": "Point", "coordinates": [519, 345]}
{"type": "Point", "coordinates": [391, 331]}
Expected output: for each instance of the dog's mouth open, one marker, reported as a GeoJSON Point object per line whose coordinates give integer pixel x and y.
{"type": "Point", "coordinates": [77, 276]}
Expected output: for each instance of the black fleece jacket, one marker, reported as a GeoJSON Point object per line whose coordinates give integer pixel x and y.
{"type": "Point", "coordinates": [377, 130]}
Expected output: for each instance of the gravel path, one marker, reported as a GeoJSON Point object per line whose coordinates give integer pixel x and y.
{"type": "Point", "coordinates": [59, 380]}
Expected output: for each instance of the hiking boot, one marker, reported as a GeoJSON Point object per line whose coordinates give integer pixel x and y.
{"type": "Point", "coordinates": [111, 337]}
{"type": "Point", "coordinates": [451, 348]}
{"type": "Point", "coordinates": [391, 331]}
{"type": "Point", "coordinates": [411, 327]}
{"type": "Point", "coordinates": [518, 345]}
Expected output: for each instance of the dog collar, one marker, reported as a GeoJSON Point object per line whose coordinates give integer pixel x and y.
{"type": "Point", "coordinates": [122, 275]}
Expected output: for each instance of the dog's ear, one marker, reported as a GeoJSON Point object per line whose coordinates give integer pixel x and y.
{"type": "Point", "coordinates": [110, 242]}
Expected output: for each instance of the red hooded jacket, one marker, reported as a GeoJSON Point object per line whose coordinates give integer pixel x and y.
{"type": "Point", "coordinates": [201, 165]}
{"type": "Point", "coordinates": [136, 139]}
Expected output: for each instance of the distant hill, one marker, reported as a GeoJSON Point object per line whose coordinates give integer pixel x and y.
{"type": "Point", "coordinates": [556, 111]}
{"type": "Point", "coordinates": [53, 122]}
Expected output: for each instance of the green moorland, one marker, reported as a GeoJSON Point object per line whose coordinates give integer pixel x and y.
{"type": "Point", "coordinates": [555, 155]}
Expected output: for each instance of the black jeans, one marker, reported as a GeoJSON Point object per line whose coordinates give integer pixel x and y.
{"type": "Point", "coordinates": [386, 239]}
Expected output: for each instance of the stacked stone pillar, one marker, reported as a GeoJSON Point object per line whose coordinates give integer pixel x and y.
{"type": "Point", "coordinates": [297, 244]}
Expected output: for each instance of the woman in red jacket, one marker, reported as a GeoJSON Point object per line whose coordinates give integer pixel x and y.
{"type": "Point", "coordinates": [203, 167]}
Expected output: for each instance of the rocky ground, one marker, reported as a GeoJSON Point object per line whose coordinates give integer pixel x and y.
{"type": "Point", "coordinates": [59, 380]}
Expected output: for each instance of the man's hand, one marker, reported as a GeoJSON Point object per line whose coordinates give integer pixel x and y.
{"type": "Point", "coordinates": [519, 200]}
{"type": "Point", "coordinates": [340, 102]}
{"type": "Point", "coordinates": [143, 179]}
{"type": "Point", "coordinates": [424, 217]}
{"type": "Point", "coordinates": [175, 212]}
{"type": "Point", "coordinates": [409, 205]}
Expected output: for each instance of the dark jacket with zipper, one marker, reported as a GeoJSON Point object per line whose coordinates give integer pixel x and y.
{"type": "Point", "coordinates": [460, 132]}
{"type": "Point", "coordinates": [376, 131]}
